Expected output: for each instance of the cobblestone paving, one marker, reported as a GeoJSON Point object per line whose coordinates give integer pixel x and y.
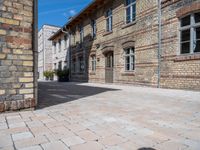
{"type": "Point", "coordinates": [74, 116]}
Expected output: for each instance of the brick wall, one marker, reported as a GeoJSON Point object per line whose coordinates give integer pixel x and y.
{"type": "Point", "coordinates": [16, 55]}
{"type": "Point", "coordinates": [177, 71]}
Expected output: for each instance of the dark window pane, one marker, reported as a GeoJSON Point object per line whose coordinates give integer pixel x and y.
{"type": "Point", "coordinates": [197, 46]}
{"type": "Point", "coordinates": [185, 48]}
{"type": "Point", "coordinates": [197, 17]}
{"type": "Point", "coordinates": [133, 12]}
{"type": "Point", "coordinates": [128, 2]}
{"type": "Point", "coordinates": [128, 15]}
{"type": "Point", "coordinates": [185, 35]}
{"type": "Point", "coordinates": [128, 51]}
{"type": "Point", "coordinates": [185, 21]}
{"type": "Point", "coordinates": [127, 60]}
{"type": "Point", "coordinates": [127, 66]}
{"type": "Point", "coordinates": [198, 33]}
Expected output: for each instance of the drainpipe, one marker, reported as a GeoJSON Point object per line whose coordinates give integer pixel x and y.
{"type": "Point", "coordinates": [35, 49]}
{"type": "Point", "coordinates": [159, 41]}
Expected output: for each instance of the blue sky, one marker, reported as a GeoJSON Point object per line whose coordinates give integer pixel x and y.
{"type": "Point", "coordinates": [57, 12]}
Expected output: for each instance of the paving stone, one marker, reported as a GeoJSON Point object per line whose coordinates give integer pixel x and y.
{"type": "Point", "coordinates": [73, 140]}
{"type": "Point", "coordinates": [5, 141]}
{"type": "Point", "coordinates": [109, 120]}
{"type": "Point", "coordinates": [54, 145]}
{"type": "Point", "coordinates": [61, 130]}
{"type": "Point", "coordinates": [20, 136]}
{"type": "Point", "coordinates": [17, 125]}
{"type": "Point", "coordinates": [112, 140]}
{"type": "Point", "coordinates": [88, 135]}
{"type": "Point", "coordinates": [30, 142]}
{"type": "Point", "coordinates": [75, 127]}
{"type": "Point", "coordinates": [32, 148]}
{"type": "Point", "coordinates": [92, 145]}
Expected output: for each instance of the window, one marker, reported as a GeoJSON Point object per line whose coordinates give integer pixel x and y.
{"type": "Point", "coordinates": [55, 66]}
{"type": "Point", "coordinates": [54, 47]}
{"type": "Point", "coordinates": [81, 34]}
{"type": "Point", "coordinates": [190, 34]}
{"type": "Point", "coordinates": [109, 60]}
{"type": "Point", "coordinates": [129, 59]}
{"type": "Point", "coordinates": [60, 65]}
{"type": "Point", "coordinates": [65, 40]}
{"type": "Point", "coordinates": [94, 28]}
{"type": "Point", "coordinates": [74, 65]}
{"type": "Point", "coordinates": [81, 64]}
{"type": "Point", "coordinates": [59, 41]}
{"type": "Point", "coordinates": [93, 63]}
{"type": "Point", "coordinates": [130, 11]}
{"type": "Point", "coordinates": [109, 20]}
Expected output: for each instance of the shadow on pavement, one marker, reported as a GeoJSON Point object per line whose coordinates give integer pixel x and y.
{"type": "Point", "coordinates": [54, 93]}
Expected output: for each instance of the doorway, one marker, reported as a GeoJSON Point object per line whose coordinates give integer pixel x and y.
{"type": "Point", "coordinates": [109, 65]}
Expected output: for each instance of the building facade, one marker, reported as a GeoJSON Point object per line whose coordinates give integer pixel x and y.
{"type": "Point", "coordinates": [18, 54]}
{"type": "Point", "coordinates": [137, 42]}
{"type": "Point", "coordinates": [60, 50]}
{"type": "Point", "coordinates": [45, 55]}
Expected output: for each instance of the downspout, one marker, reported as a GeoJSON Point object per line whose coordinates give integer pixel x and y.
{"type": "Point", "coordinates": [35, 49]}
{"type": "Point", "coordinates": [159, 41]}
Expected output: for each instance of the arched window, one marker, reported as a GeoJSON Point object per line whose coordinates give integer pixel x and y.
{"type": "Point", "coordinates": [93, 63]}
{"type": "Point", "coordinates": [129, 59]}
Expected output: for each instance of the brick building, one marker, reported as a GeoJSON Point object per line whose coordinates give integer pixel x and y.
{"type": "Point", "coordinates": [18, 52]}
{"type": "Point", "coordinates": [45, 54]}
{"type": "Point", "coordinates": [60, 50]}
{"type": "Point", "coordinates": [137, 42]}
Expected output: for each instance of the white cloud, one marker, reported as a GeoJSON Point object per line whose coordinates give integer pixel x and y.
{"type": "Point", "coordinates": [72, 12]}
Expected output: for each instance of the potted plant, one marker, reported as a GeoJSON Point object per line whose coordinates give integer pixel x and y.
{"type": "Point", "coordinates": [46, 75]}
{"type": "Point", "coordinates": [63, 75]}
{"type": "Point", "coordinates": [51, 75]}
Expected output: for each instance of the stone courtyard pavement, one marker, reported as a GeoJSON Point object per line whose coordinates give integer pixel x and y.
{"type": "Point", "coordinates": [86, 116]}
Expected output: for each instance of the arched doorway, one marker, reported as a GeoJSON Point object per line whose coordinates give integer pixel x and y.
{"type": "Point", "coordinates": [109, 65]}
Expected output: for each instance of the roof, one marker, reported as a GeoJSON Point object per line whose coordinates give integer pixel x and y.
{"type": "Point", "coordinates": [55, 34]}
{"type": "Point", "coordinates": [82, 14]}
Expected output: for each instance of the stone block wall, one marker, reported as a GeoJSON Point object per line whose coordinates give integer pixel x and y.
{"type": "Point", "coordinates": [16, 55]}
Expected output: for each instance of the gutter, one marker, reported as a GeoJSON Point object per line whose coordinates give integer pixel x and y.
{"type": "Point", "coordinates": [35, 49]}
{"type": "Point", "coordinates": [159, 41]}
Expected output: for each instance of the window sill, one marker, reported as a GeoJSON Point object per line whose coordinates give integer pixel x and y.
{"type": "Point", "coordinates": [128, 25]}
{"type": "Point", "coordinates": [128, 73]}
{"type": "Point", "coordinates": [107, 33]}
{"type": "Point", "coordinates": [187, 57]}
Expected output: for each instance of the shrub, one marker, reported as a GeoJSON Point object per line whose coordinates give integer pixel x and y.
{"type": "Point", "coordinates": [49, 75]}
{"type": "Point", "coordinates": [63, 75]}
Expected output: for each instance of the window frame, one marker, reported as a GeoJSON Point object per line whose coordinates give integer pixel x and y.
{"type": "Point", "coordinates": [54, 47]}
{"type": "Point", "coordinates": [81, 32]}
{"type": "Point", "coordinates": [59, 45]}
{"type": "Point", "coordinates": [131, 62]}
{"type": "Point", "coordinates": [80, 63]}
{"type": "Point", "coordinates": [94, 28]}
{"type": "Point", "coordinates": [65, 41]}
{"type": "Point", "coordinates": [131, 5]}
{"type": "Point", "coordinates": [93, 63]}
{"type": "Point", "coordinates": [109, 20]}
{"type": "Point", "coordinates": [193, 25]}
